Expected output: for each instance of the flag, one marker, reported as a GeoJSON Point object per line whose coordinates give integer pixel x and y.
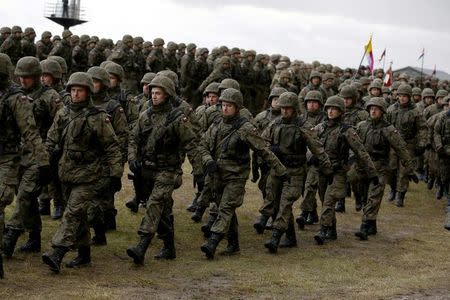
{"type": "Point", "coordinates": [388, 77]}
{"type": "Point", "coordinates": [369, 54]}
{"type": "Point", "coordinates": [382, 55]}
{"type": "Point", "coordinates": [434, 71]}
{"type": "Point", "coordinates": [422, 55]}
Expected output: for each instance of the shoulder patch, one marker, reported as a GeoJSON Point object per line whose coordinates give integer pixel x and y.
{"type": "Point", "coordinates": [121, 109]}
{"type": "Point", "coordinates": [107, 120]}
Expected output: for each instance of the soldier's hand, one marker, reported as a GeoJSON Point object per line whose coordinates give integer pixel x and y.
{"type": "Point", "coordinates": [211, 167]}
{"type": "Point", "coordinates": [414, 178]}
{"type": "Point", "coordinates": [116, 184]}
{"type": "Point", "coordinates": [44, 175]}
{"type": "Point", "coordinates": [375, 180]}
{"type": "Point", "coordinates": [285, 178]}
{"type": "Point", "coordinates": [135, 166]}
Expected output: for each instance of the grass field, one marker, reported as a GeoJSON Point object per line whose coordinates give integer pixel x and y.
{"type": "Point", "coordinates": [409, 258]}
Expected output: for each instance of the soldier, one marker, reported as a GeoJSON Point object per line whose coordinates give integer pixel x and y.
{"type": "Point", "coordinates": [12, 46]}
{"type": "Point", "coordinates": [97, 54]}
{"type": "Point", "coordinates": [289, 137]}
{"type": "Point", "coordinates": [328, 83]}
{"type": "Point", "coordinates": [314, 116]}
{"type": "Point", "coordinates": [338, 139]}
{"type": "Point", "coordinates": [201, 66]}
{"type": "Point", "coordinates": [180, 53]}
{"type": "Point", "coordinates": [154, 151]}
{"type": "Point", "coordinates": [44, 45]}
{"type": "Point", "coordinates": [170, 59]}
{"type": "Point", "coordinates": [5, 32]}
{"type": "Point", "coordinates": [80, 55]}
{"type": "Point", "coordinates": [61, 84]}
{"type": "Point", "coordinates": [155, 60]}
{"type": "Point", "coordinates": [64, 49]}
{"type": "Point", "coordinates": [412, 128]}
{"type": "Point", "coordinates": [228, 168]}
{"type": "Point", "coordinates": [220, 72]}
{"type": "Point", "coordinates": [80, 138]}
{"type": "Point", "coordinates": [436, 107]}
{"type": "Point", "coordinates": [211, 96]}
{"type": "Point", "coordinates": [262, 80]}
{"type": "Point", "coordinates": [285, 81]}
{"type": "Point", "coordinates": [28, 46]}
{"type": "Point", "coordinates": [416, 95]}
{"type": "Point", "coordinates": [189, 83]}
{"type": "Point", "coordinates": [18, 125]}
{"type": "Point", "coordinates": [427, 99]}
{"type": "Point", "coordinates": [378, 136]}
{"type": "Point", "coordinates": [125, 57]}
{"type": "Point", "coordinates": [315, 81]}
{"type": "Point", "coordinates": [146, 49]}
{"type": "Point", "coordinates": [247, 81]}
{"type": "Point", "coordinates": [139, 56]}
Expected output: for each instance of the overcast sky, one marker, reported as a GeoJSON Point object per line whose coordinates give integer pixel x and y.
{"type": "Point", "coordinates": [329, 31]}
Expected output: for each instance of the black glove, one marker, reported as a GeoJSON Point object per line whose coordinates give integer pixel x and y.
{"type": "Point", "coordinates": [211, 167]}
{"type": "Point", "coordinates": [375, 180]}
{"type": "Point", "coordinates": [418, 151]}
{"type": "Point", "coordinates": [414, 178]}
{"type": "Point", "coordinates": [116, 184]}
{"type": "Point", "coordinates": [285, 178]}
{"type": "Point", "coordinates": [199, 181]}
{"type": "Point", "coordinates": [103, 185]}
{"type": "Point", "coordinates": [135, 166]}
{"type": "Point", "coordinates": [44, 175]}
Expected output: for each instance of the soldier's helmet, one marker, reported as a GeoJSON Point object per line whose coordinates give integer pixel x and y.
{"type": "Point", "coordinates": [29, 31]}
{"type": "Point", "coordinates": [61, 61]}
{"type": "Point", "coordinates": [212, 88]}
{"type": "Point", "coordinates": [84, 39]}
{"type": "Point", "coordinates": [349, 91]}
{"type": "Point", "coordinates": [28, 66]}
{"type": "Point", "coordinates": [276, 92]}
{"type": "Point", "coordinates": [171, 75]}
{"type": "Point", "coordinates": [416, 91]}
{"type": "Point", "coordinates": [446, 100]}
{"type": "Point", "coordinates": [427, 92]}
{"type": "Point", "coordinates": [285, 74]}
{"type": "Point", "coordinates": [5, 64]}
{"type": "Point", "coordinates": [229, 83]}
{"type": "Point", "coordinates": [375, 85]}
{"type": "Point", "coordinates": [335, 101]}
{"type": "Point", "coordinates": [327, 76]}
{"type": "Point", "coordinates": [441, 93]}
{"type": "Point", "coordinates": [376, 101]}
{"type": "Point", "coordinates": [115, 69]}
{"type": "Point", "coordinates": [190, 47]}
{"type": "Point", "coordinates": [315, 74]}
{"type": "Point", "coordinates": [288, 99]}
{"type": "Point", "coordinates": [171, 46]}
{"type": "Point", "coordinates": [148, 77]}
{"type": "Point", "coordinates": [385, 90]}
{"type": "Point", "coordinates": [80, 79]}
{"type": "Point", "coordinates": [16, 29]}
{"type": "Point", "coordinates": [165, 83]}
{"type": "Point", "coordinates": [158, 42]}
{"type": "Point", "coordinates": [52, 67]}
{"type": "Point", "coordinates": [66, 33]}
{"type": "Point", "coordinates": [314, 96]}
{"type": "Point", "coordinates": [127, 39]}
{"type": "Point", "coordinates": [5, 30]}
{"type": "Point", "coordinates": [99, 74]}
{"type": "Point", "coordinates": [404, 89]}
{"type": "Point", "coordinates": [233, 96]}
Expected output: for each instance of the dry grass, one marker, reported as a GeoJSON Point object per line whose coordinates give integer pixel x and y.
{"type": "Point", "coordinates": [408, 259]}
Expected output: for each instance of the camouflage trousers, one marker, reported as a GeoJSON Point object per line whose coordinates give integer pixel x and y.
{"type": "Point", "coordinates": [73, 231]}
{"type": "Point", "coordinates": [26, 211]}
{"type": "Point", "coordinates": [330, 195]}
{"type": "Point", "coordinates": [280, 196]}
{"type": "Point", "coordinates": [398, 177]}
{"type": "Point", "coordinates": [432, 161]}
{"type": "Point", "coordinates": [158, 217]}
{"type": "Point", "coordinates": [8, 183]}
{"type": "Point", "coordinates": [230, 196]}
{"type": "Point", "coordinates": [444, 174]}
{"type": "Point", "coordinates": [309, 202]}
{"type": "Point", "coordinates": [206, 198]}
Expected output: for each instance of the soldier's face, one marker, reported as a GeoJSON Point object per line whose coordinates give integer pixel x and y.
{"type": "Point", "coordinates": [212, 98]}
{"type": "Point", "coordinates": [47, 79]}
{"type": "Point", "coordinates": [145, 88]}
{"type": "Point", "coordinates": [428, 100]}
{"type": "Point", "coordinates": [312, 106]}
{"type": "Point", "coordinates": [315, 80]}
{"type": "Point", "coordinates": [78, 93]}
{"type": "Point", "coordinates": [228, 109]}
{"type": "Point", "coordinates": [375, 92]}
{"type": "Point", "coordinates": [403, 99]}
{"type": "Point", "coordinates": [416, 98]}
{"type": "Point", "coordinates": [27, 82]}
{"type": "Point", "coordinates": [375, 112]}
{"type": "Point", "coordinates": [158, 96]}
{"type": "Point", "coordinates": [348, 102]}
{"type": "Point", "coordinates": [274, 103]}
{"type": "Point", "coordinates": [287, 112]}
{"type": "Point", "coordinates": [113, 80]}
{"type": "Point", "coordinates": [97, 85]}
{"type": "Point", "coordinates": [333, 112]}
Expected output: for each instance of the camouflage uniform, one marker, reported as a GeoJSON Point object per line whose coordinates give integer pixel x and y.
{"type": "Point", "coordinates": [125, 57]}
{"type": "Point", "coordinates": [28, 45]}
{"type": "Point", "coordinates": [170, 59]}
{"type": "Point", "coordinates": [97, 54]}
{"type": "Point", "coordinates": [225, 154]}
{"type": "Point", "coordinates": [188, 72]}
{"type": "Point", "coordinates": [220, 72]}
{"type": "Point", "coordinates": [64, 49]}
{"type": "Point", "coordinates": [44, 46]}
{"type": "Point", "coordinates": [80, 55]}
{"type": "Point", "coordinates": [311, 87]}
{"type": "Point", "coordinates": [12, 46]}
{"type": "Point", "coordinates": [155, 60]}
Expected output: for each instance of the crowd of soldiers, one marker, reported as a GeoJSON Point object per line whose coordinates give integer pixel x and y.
{"type": "Point", "coordinates": [75, 110]}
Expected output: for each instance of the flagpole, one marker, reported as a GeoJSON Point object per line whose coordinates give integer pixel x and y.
{"type": "Point", "coordinates": [384, 58]}
{"type": "Point", "coordinates": [421, 71]}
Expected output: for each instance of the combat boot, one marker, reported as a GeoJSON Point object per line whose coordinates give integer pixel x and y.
{"type": "Point", "coordinates": [302, 219]}
{"type": "Point", "coordinates": [391, 195]}
{"type": "Point", "coordinates": [83, 259]}
{"type": "Point", "coordinates": [430, 183]}
{"type": "Point", "coordinates": [206, 228]}
{"type": "Point", "coordinates": [439, 191]}
{"type": "Point", "coordinates": [362, 233]}
{"type": "Point", "coordinates": [168, 249]}
{"type": "Point", "coordinates": [274, 242]}
{"type": "Point", "coordinates": [331, 232]}
{"type": "Point", "coordinates": [321, 236]}
{"type": "Point", "coordinates": [137, 253]}
{"type": "Point", "coordinates": [198, 214]}
{"type": "Point", "coordinates": [44, 207]}
{"type": "Point", "coordinates": [358, 203]}
{"type": "Point", "coordinates": [290, 240]}
{"type": "Point", "coordinates": [99, 238]}
{"type": "Point", "coordinates": [399, 199]}
{"type": "Point", "coordinates": [2, 274]}
{"type": "Point", "coordinates": [340, 206]}
{"type": "Point", "coordinates": [54, 260]}
{"type": "Point", "coordinates": [193, 206]}
{"type": "Point", "coordinates": [447, 222]}
{"type": "Point", "coordinates": [372, 227]}
{"type": "Point", "coordinates": [313, 217]}
{"type": "Point", "coordinates": [10, 241]}
{"type": "Point", "coordinates": [57, 214]}
{"type": "Point", "coordinates": [33, 244]}
{"type": "Point", "coordinates": [260, 226]}
{"type": "Point", "coordinates": [133, 204]}
{"type": "Point", "coordinates": [209, 248]}
{"type": "Point", "coordinates": [233, 244]}
{"type": "Point", "coordinates": [110, 220]}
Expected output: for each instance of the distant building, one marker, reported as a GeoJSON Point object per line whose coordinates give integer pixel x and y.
{"type": "Point", "coordinates": [413, 72]}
